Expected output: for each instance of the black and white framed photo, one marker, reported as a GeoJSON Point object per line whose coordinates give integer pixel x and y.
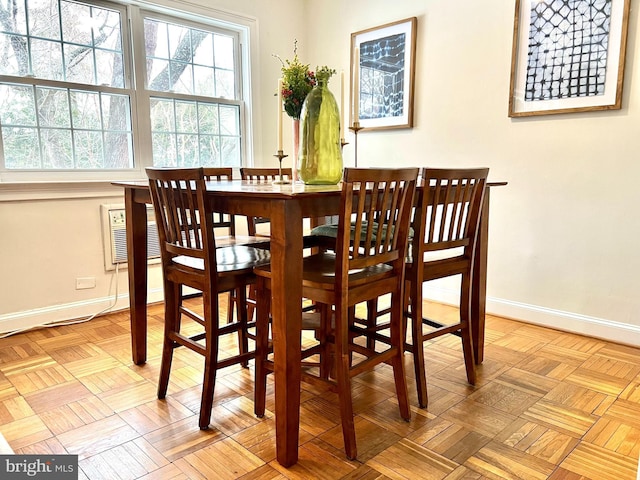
{"type": "Point", "coordinates": [382, 75]}
{"type": "Point", "coordinates": [568, 56]}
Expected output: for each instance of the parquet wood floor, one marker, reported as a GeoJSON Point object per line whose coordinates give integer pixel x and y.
{"type": "Point", "coordinates": [547, 405]}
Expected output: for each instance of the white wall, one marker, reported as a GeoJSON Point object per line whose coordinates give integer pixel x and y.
{"type": "Point", "coordinates": [562, 233]}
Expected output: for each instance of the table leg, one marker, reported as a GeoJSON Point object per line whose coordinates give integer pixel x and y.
{"type": "Point", "coordinates": [136, 218]}
{"type": "Point", "coordinates": [286, 291]}
{"type": "Point", "coordinates": [479, 286]}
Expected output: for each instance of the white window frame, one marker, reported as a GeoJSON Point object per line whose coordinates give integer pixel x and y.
{"type": "Point", "coordinates": [132, 28]}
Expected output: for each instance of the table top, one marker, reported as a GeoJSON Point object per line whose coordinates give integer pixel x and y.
{"type": "Point", "coordinates": [247, 187]}
{"type": "Point", "coordinates": [251, 188]}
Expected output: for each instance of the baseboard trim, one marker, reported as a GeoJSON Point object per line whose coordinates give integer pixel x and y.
{"type": "Point", "coordinates": [547, 317]}
{"type": "Point", "coordinates": [68, 312]}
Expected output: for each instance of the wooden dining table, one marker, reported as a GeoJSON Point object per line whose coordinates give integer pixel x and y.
{"type": "Point", "coordinates": [286, 206]}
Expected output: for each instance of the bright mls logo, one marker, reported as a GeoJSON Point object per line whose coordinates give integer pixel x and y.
{"type": "Point", "coordinates": [46, 467]}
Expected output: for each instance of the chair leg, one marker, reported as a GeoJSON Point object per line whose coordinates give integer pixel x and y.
{"type": "Point", "coordinates": [343, 378]}
{"type": "Point", "coordinates": [465, 331]}
{"type": "Point", "coordinates": [326, 352]}
{"type": "Point", "coordinates": [397, 335]}
{"type": "Point", "coordinates": [241, 315]}
{"type": "Point", "coordinates": [231, 305]}
{"type": "Point", "coordinates": [251, 307]}
{"type": "Point", "coordinates": [372, 315]}
{"type": "Point", "coordinates": [263, 306]}
{"type": "Point", "coordinates": [171, 325]}
{"type": "Point", "coordinates": [210, 359]}
{"type": "Point", "coordinates": [415, 300]}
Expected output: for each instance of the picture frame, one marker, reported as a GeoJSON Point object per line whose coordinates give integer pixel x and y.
{"type": "Point", "coordinates": [567, 56]}
{"type": "Point", "coordinates": [382, 75]}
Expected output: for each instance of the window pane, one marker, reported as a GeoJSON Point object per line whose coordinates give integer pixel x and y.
{"type": "Point", "coordinates": [229, 120]}
{"type": "Point", "coordinates": [158, 75]}
{"type": "Point", "coordinates": [230, 151]}
{"type": "Point", "coordinates": [56, 148]}
{"type": "Point", "coordinates": [53, 107]}
{"type": "Point", "coordinates": [223, 51]}
{"type": "Point", "coordinates": [76, 23]}
{"type": "Point", "coordinates": [106, 29]}
{"type": "Point", "coordinates": [188, 155]}
{"type": "Point", "coordinates": [21, 147]}
{"type": "Point", "coordinates": [225, 87]}
{"type": "Point", "coordinates": [162, 116]}
{"type": "Point", "coordinates": [204, 50]}
{"type": "Point", "coordinates": [79, 65]}
{"type": "Point", "coordinates": [17, 106]}
{"type": "Point", "coordinates": [16, 61]}
{"type": "Point", "coordinates": [186, 119]}
{"type": "Point", "coordinates": [18, 23]}
{"type": "Point", "coordinates": [46, 58]}
{"type": "Point", "coordinates": [208, 118]}
{"type": "Point", "coordinates": [118, 150]}
{"type": "Point", "coordinates": [110, 70]}
{"type": "Point", "coordinates": [164, 149]}
{"type": "Point", "coordinates": [203, 80]}
{"type": "Point", "coordinates": [116, 113]}
{"type": "Point", "coordinates": [88, 148]}
{"type": "Point", "coordinates": [156, 42]}
{"type": "Point", "coordinates": [180, 78]}
{"type": "Point", "coordinates": [44, 20]}
{"type": "Point", "coordinates": [179, 42]}
{"type": "Point", "coordinates": [85, 110]}
{"type": "Point", "coordinates": [210, 151]}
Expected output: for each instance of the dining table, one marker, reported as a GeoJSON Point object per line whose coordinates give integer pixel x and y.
{"type": "Point", "coordinates": [286, 205]}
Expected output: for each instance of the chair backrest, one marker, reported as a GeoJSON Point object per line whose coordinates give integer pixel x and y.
{"type": "Point", "coordinates": [221, 220]}
{"type": "Point", "coordinates": [373, 226]}
{"type": "Point", "coordinates": [255, 174]}
{"type": "Point", "coordinates": [218, 173]}
{"type": "Point", "coordinates": [448, 208]}
{"type": "Point", "coordinates": [262, 175]}
{"type": "Point", "coordinates": [184, 224]}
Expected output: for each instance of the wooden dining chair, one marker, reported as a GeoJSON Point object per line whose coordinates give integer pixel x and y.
{"type": "Point", "coordinates": [363, 266]}
{"type": "Point", "coordinates": [446, 224]}
{"type": "Point", "coordinates": [226, 221]}
{"type": "Point", "coordinates": [190, 258]}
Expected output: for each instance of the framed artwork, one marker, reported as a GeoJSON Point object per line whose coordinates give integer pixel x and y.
{"type": "Point", "coordinates": [567, 56]}
{"type": "Point", "coordinates": [382, 75]}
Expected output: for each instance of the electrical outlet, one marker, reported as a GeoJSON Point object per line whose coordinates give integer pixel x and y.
{"type": "Point", "coordinates": [83, 283]}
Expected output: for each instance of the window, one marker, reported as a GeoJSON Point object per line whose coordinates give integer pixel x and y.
{"type": "Point", "coordinates": [72, 99]}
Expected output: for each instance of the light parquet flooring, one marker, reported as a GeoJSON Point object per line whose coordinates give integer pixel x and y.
{"type": "Point", "coordinates": [547, 405]}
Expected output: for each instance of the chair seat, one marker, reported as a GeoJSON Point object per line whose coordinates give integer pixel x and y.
{"type": "Point", "coordinates": [331, 230]}
{"type": "Point", "coordinates": [246, 240]}
{"type": "Point", "coordinates": [236, 259]}
{"type": "Point", "coordinates": [319, 271]}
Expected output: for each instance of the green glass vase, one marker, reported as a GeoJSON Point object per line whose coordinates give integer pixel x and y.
{"type": "Point", "coordinates": [320, 154]}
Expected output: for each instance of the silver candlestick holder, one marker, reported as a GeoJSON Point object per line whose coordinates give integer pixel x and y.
{"type": "Point", "coordinates": [280, 180]}
{"type": "Point", "coordinates": [355, 128]}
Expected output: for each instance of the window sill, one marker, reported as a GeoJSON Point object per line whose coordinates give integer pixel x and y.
{"type": "Point", "coordinates": [26, 191]}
